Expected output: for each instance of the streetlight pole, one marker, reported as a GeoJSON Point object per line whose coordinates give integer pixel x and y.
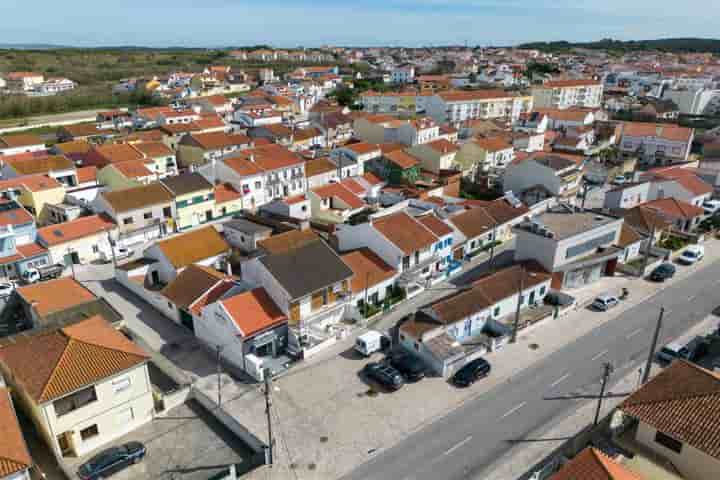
{"type": "Point", "coordinates": [219, 373]}
{"type": "Point", "coordinates": [651, 353]}
{"type": "Point", "coordinates": [516, 323]}
{"type": "Point", "coordinates": [607, 370]}
{"type": "Point", "coordinates": [492, 247]}
{"type": "Point", "coordinates": [268, 404]}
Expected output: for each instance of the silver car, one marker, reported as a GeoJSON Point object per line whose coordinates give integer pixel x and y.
{"type": "Point", "coordinates": [604, 302]}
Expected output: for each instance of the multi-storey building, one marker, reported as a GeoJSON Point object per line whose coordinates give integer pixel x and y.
{"type": "Point", "coordinates": [568, 93]}
{"type": "Point", "coordinates": [456, 107]}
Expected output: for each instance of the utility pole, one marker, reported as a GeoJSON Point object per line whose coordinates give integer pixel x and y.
{"type": "Point", "coordinates": [646, 257]}
{"type": "Point", "coordinates": [268, 404]}
{"type": "Point", "coordinates": [492, 248]}
{"type": "Point", "coordinates": [367, 282]}
{"type": "Point", "coordinates": [651, 353]}
{"type": "Point", "coordinates": [519, 304]}
{"type": "Point", "coordinates": [219, 373]}
{"type": "Point", "coordinates": [112, 250]}
{"type": "Point", "coordinates": [585, 192]}
{"type": "Point", "coordinates": [607, 371]}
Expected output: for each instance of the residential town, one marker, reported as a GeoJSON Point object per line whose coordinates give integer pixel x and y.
{"type": "Point", "coordinates": [417, 268]}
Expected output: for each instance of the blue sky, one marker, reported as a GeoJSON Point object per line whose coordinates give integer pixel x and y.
{"type": "Point", "coordinates": [284, 23]}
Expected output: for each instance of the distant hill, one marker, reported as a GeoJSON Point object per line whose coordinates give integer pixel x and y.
{"type": "Point", "coordinates": [674, 45]}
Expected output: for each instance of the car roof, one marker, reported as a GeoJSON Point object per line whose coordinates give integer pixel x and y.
{"type": "Point", "coordinates": [693, 248]}
{"type": "Point", "coordinates": [604, 296]}
{"type": "Point", "coordinates": [676, 347]}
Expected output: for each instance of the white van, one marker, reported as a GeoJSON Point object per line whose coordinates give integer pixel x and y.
{"type": "Point", "coordinates": [369, 343]}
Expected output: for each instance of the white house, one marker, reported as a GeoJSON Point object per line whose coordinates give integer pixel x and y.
{"type": "Point", "coordinates": [655, 144]}
{"type": "Point", "coordinates": [557, 174]}
{"type": "Point", "coordinates": [627, 196]}
{"type": "Point", "coordinates": [83, 240]}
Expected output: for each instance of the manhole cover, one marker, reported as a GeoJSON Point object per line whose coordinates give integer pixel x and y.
{"type": "Point", "coordinates": [312, 466]}
{"type": "Point", "coordinates": [533, 346]}
{"type": "Point", "coordinates": [323, 439]}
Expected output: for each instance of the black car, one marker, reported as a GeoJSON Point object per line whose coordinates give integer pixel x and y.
{"type": "Point", "coordinates": [409, 366]}
{"type": "Point", "coordinates": [471, 372]}
{"type": "Point", "coordinates": [111, 461]}
{"type": "Point", "coordinates": [662, 272]}
{"type": "Point", "coordinates": [384, 374]}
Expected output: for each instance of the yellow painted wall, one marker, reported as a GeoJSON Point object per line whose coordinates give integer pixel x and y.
{"type": "Point", "coordinates": [193, 213]}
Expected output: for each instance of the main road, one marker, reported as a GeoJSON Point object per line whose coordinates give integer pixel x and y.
{"type": "Point", "coordinates": [465, 442]}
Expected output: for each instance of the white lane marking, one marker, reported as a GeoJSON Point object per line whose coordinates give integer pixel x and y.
{"type": "Point", "coordinates": [691, 298]}
{"type": "Point", "coordinates": [599, 355]}
{"type": "Point", "coordinates": [513, 410]}
{"type": "Point", "coordinates": [633, 333]}
{"type": "Point", "coordinates": [458, 445]}
{"type": "Point", "coordinates": [559, 380]}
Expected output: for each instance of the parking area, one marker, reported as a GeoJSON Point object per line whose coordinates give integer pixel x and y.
{"type": "Point", "coordinates": [188, 443]}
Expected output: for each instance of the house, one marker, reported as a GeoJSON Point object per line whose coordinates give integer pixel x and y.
{"type": "Point", "coordinates": [193, 198]}
{"type": "Point", "coordinates": [468, 323]}
{"type": "Point", "coordinates": [483, 156]}
{"type": "Point", "coordinates": [23, 81]}
{"type": "Point", "coordinates": [228, 200]}
{"type": "Point", "coordinates": [80, 241]}
{"type": "Point", "coordinates": [568, 93]}
{"type": "Point", "coordinates": [655, 144]}
{"type": "Point", "coordinates": [35, 193]}
{"type": "Point", "coordinates": [201, 148]}
{"type": "Point", "coordinates": [320, 171]}
{"type": "Point", "coordinates": [373, 280]}
{"type": "Point", "coordinates": [251, 328]}
{"type": "Point", "coordinates": [443, 248]}
{"type": "Point", "coordinates": [54, 166]}
{"type": "Point", "coordinates": [398, 167]}
{"type": "Point", "coordinates": [660, 109]}
{"type": "Point", "coordinates": [668, 417]}
{"type": "Point", "coordinates": [334, 203]}
{"type": "Point", "coordinates": [203, 246]}
{"type": "Point", "coordinates": [631, 242]}
{"type": "Point", "coordinates": [20, 143]}
{"type": "Point", "coordinates": [360, 153]}
{"type": "Point", "coordinates": [680, 183]}
{"type": "Point", "coordinates": [297, 207]}
{"type": "Point", "coordinates": [577, 248]}
{"type": "Point", "coordinates": [386, 129]}
{"type": "Point", "coordinates": [103, 155]}
{"type": "Point", "coordinates": [403, 74]}
{"type": "Point", "coordinates": [563, 119]}
{"type": "Point", "coordinates": [15, 459]}
{"type": "Point", "coordinates": [77, 406]}
{"type": "Point", "coordinates": [121, 175]}
{"type": "Point", "coordinates": [18, 249]}
{"type": "Point", "coordinates": [683, 216]}
{"type": "Point", "coordinates": [88, 132]}
{"type": "Point", "coordinates": [594, 464]}
{"type": "Point", "coordinates": [475, 232]}
{"type": "Point", "coordinates": [456, 107]}
{"type": "Point", "coordinates": [142, 213]}
{"type": "Point", "coordinates": [242, 175]}
{"type": "Point", "coordinates": [336, 128]}
{"type": "Point", "coordinates": [245, 234]}
{"type": "Point", "coordinates": [158, 158]}
{"type": "Point", "coordinates": [627, 196]}
{"type": "Point", "coordinates": [436, 156]}
{"type": "Point", "coordinates": [316, 298]}
{"type": "Point", "coordinates": [559, 175]}
{"type": "Point", "coordinates": [400, 240]}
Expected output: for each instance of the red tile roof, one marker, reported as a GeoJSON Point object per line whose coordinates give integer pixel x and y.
{"type": "Point", "coordinates": [79, 228]}
{"type": "Point", "coordinates": [132, 169]}
{"type": "Point", "coordinates": [571, 83]}
{"type": "Point", "coordinates": [592, 464]}
{"type": "Point", "coordinates": [402, 159]}
{"type": "Point", "coordinates": [674, 208]}
{"type": "Point", "coordinates": [443, 146]}
{"type": "Point", "coordinates": [353, 186]}
{"type": "Point", "coordinates": [336, 190]}
{"type": "Point", "coordinates": [253, 311]}
{"type": "Point", "coordinates": [368, 269]}
{"type": "Point", "coordinates": [86, 174]}
{"type": "Point", "coordinates": [14, 454]}
{"type": "Point", "coordinates": [661, 130]}
{"type": "Point", "coordinates": [404, 232]}
{"type": "Point", "coordinates": [437, 226]}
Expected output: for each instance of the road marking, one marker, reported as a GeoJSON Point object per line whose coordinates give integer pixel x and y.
{"type": "Point", "coordinates": [633, 333]}
{"type": "Point", "coordinates": [458, 445]}
{"type": "Point", "coordinates": [559, 380]}
{"type": "Point", "coordinates": [691, 298]}
{"type": "Point", "coordinates": [599, 355]}
{"type": "Point", "coordinates": [513, 410]}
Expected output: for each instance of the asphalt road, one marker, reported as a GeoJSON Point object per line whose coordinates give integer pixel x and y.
{"type": "Point", "coordinates": [468, 440]}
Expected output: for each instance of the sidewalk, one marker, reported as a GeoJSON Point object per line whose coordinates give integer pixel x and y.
{"type": "Point", "coordinates": [520, 458]}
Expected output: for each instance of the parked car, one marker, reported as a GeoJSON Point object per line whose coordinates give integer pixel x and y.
{"type": "Point", "coordinates": [697, 348]}
{"type": "Point", "coordinates": [692, 254]}
{"type": "Point", "coordinates": [384, 374]}
{"type": "Point", "coordinates": [111, 461]}
{"type": "Point", "coordinates": [471, 372]}
{"type": "Point", "coordinates": [369, 343]}
{"type": "Point", "coordinates": [40, 274]}
{"type": "Point", "coordinates": [409, 366]}
{"type": "Point", "coordinates": [670, 352]}
{"type": "Point", "coordinates": [619, 180]}
{"type": "Point", "coordinates": [662, 272]}
{"type": "Point", "coordinates": [604, 302]}
{"type": "Point", "coordinates": [6, 288]}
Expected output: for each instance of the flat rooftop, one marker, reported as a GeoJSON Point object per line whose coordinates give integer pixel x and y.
{"type": "Point", "coordinates": [566, 224]}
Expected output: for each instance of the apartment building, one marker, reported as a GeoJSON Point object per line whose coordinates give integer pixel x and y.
{"type": "Point", "coordinates": [568, 93]}
{"type": "Point", "coordinates": [456, 107]}
{"type": "Point", "coordinates": [655, 144]}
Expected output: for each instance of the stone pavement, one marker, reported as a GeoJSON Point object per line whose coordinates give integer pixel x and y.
{"type": "Point", "coordinates": [327, 420]}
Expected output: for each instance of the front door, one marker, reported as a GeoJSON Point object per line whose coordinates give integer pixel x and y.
{"type": "Point", "coordinates": [531, 298]}
{"type": "Point", "coordinates": [64, 444]}
{"type": "Point", "coordinates": [208, 215]}
{"type": "Point", "coordinates": [186, 319]}
{"type": "Point", "coordinates": [155, 276]}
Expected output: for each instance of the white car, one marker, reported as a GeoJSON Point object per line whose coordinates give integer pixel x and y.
{"type": "Point", "coordinates": [605, 302]}
{"type": "Point", "coordinates": [692, 255]}
{"type": "Point", "coordinates": [6, 288]}
{"type": "Point", "coordinates": [619, 180]}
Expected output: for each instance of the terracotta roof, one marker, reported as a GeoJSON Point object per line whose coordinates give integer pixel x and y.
{"type": "Point", "coordinates": [86, 174]}
{"type": "Point", "coordinates": [55, 295]}
{"type": "Point", "coordinates": [191, 284]}
{"type": "Point", "coordinates": [361, 148]}
{"type": "Point", "coordinates": [386, 148]}
{"type": "Point", "coordinates": [368, 268]}
{"type": "Point", "coordinates": [253, 311]}
{"type": "Point", "coordinates": [352, 185]}
{"type": "Point", "coordinates": [592, 464]}
{"type": "Point", "coordinates": [186, 183]}
{"type": "Point", "coordinates": [587, 82]}
{"type": "Point", "coordinates": [628, 236]}
{"type": "Point", "coordinates": [11, 213]}
{"type": "Point", "coordinates": [492, 144]}
{"type": "Point", "coordinates": [141, 196]}
{"type": "Point", "coordinates": [76, 146]}
{"type": "Point", "coordinates": [194, 246]}
{"type": "Point", "coordinates": [694, 185]}
{"type": "Point", "coordinates": [79, 228]}
{"type": "Point", "coordinates": [271, 157]}
{"type": "Point", "coordinates": [674, 208]}
{"type": "Point", "coordinates": [153, 149]}
{"type": "Point", "coordinates": [502, 212]}
{"type": "Point", "coordinates": [464, 96]}
{"type": "Point", "coordinates": [87, 130]}
{"type": "Point", "coordinates": [14, 454]}
{"type": "Point", "coordinates": [443, 146]}
{"type": "Point", "coordinates": [318, 166]}
{"type": "Point", "coordinates": [291, 240]}
{"type": "Point", "coordinates": [683, 402]}
{"type": "Point", "coordinates": [20, 140]}
{"type": "Point", "coordinates": [50, 365]}
{"type": "Point", "coordinates": [224, 192]}
{"type": "Point", "coordinates": [118, 152]}
{"type": "Point", "coordinates": [211, 296]}
{"type": "Point", "coordinates": [661, 130]}
{"type": "Point", "coordinates": [437, 226]}
{"type": "Point", "coordinates": [209, 123]}
{"type": "Point", "coordinates": [402, 159]}
{"type": "Point", "coordinates": [215, 140]}
{"type": "Point", "coordinates": [404, 232]}
{"type": "Point", "coordinates": [242, 166]}
{"type": "Point", "coordinates": [41, 164]}
{"type": "Point", "coordinates": [337, 190]}
{"type": "Point", "coordinates": [132, 169]}
{"type": "Point", "coordinates": [567, 114]}
{"type": "Point", "coordinates": [473, 223]}
{"type": "Point", "coordinates": [372, 179]}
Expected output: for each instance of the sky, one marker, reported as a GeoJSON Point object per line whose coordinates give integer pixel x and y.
{"type": "Point", "coordinates": [311, 23]}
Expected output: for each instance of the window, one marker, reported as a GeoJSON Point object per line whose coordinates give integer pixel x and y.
{"type": "Point", "coordinates": [121, 384]}
{"type": "Point", "coordinates": [542, 290]}
{"type": "Point", "coordinates": [89, 432]}
{"type": "Point", "coordinates": [258, 185]}
{"type": "Point", "coordinates": [496, 312]}
{"type": "Point", "coordinates": [74, 401]}
{"type": "Point", "coordinates": [147, 215]}
{"type": "Point", "coordinates": [167, 212]}
{"type": "Point", "coordinates": [95, 249]}
{"type": "Point", "coordinates": [668, 442]}
{"type": "Point", "coordinates": [589, 245]}
{"type": "Point", "coordinates": [128, 221]}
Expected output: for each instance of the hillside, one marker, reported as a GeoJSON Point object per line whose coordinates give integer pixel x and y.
{"type": "Point", "coordinates": [675, 45]}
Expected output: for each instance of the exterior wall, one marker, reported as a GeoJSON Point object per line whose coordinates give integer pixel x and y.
{"type": "Point", "coordinates": [379, 288]}
{"type": "Point", "coordinates": [218, 328]}
{"type": "Point", "coordinates": [322, 179]}
{"type": "Point", "coordinates": [656, 150]}
{"type": "Point", "coordinates": [105, 412]}
{"type": "Point", "coordinates": [23, 149]}
{"type": "Point", "coordinates": [255, 272]}
{"type": "Point", "coordinates": [89, 249]}
{"type": "Point", "coordinates": [433, 160]}
{"type": "Point", "coordinates": [627, 197]}
{"type": "Point", "coordinates": [369, 132]}
{"type": "Point", "coordinates": [141, 229]}
{"type": "Point", "coordinates": [252, 187]}
{"type": "Point", "coordinates": [671, 189]}
{"type": "Point", "coordinates": [36, 202]}
{"type": "Point", "coordinates": [226, 209]}
{"type": "Point", "coordinates": [115, 180]}
{"type": "Point", "coordinates": [191, 209]}
{"type": "Point", "coordinates": [247, 242]}
{"type": "Point", "coordinates": [691, 462]}
{"type": "Point", "coordinates": [631, 252]}
{"type": "Point", "coordinates": [527, 174]}
{"type": "Point", "coordinates": [566, 97]}
{"type": "Point", "coordinates": [285, 182]}
{"type": "Point", "coordinates": [351, 237]}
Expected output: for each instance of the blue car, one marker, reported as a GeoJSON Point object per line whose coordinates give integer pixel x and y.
{"type": "Point", "coordinates": [111, 461]}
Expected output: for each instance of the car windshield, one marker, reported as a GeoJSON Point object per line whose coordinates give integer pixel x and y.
{"type": "Point", "coordinates": [669, 351]}
{"type": "Point", "coordinates": [690, 253]}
